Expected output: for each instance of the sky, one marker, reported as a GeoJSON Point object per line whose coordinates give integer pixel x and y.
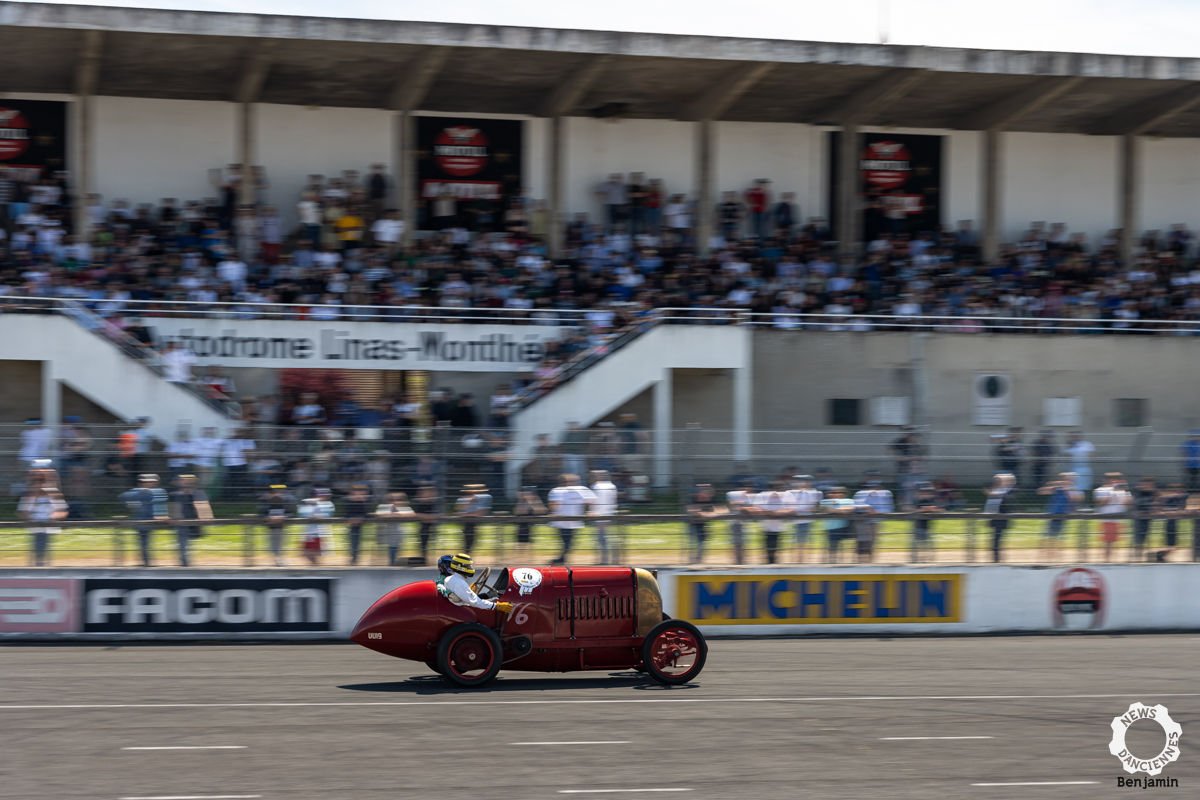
{"type": "Point", "coordinates": [1130, 27]}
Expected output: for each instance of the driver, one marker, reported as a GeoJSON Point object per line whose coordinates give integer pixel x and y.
{"type": "Point", "coordinates": [453, 584]}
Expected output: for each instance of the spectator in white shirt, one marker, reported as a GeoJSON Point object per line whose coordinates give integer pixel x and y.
{"type": "Point", "coordinates": [871, 500]}
{"type": "Point", "coordinates": [771, 504]}
{"type": "Point", "coordinates": [569, 499]}
{"type": "Point", "coordinates": [205, 450]}
{"type": "Point", "coordinates": [180, 454]}
{"type": "Point", "coordinates": [233, 458]}
{"type": "Point", "coordinates": [805, 499]}
{"type": "Point", "coordinates": [605, 505]}
{"type": "Point", "coordinates": [388, 231]}
{"type": "Point", "coordinates": [35, 442]}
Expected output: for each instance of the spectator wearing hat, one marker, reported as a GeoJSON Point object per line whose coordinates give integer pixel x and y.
{"type": "Point", "coordinates": [773, 503]}
{"type": "Point", "coordinates": [188, 502]}
{"type": "Point", "coordinates": [147, 505]}
{"type": "Point", "coordinates": [473, 503]}
{"type": "Point", "coordinates": [275, 506]}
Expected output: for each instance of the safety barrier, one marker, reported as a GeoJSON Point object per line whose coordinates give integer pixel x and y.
{"type": "Point", "coordinates": [173, 604]}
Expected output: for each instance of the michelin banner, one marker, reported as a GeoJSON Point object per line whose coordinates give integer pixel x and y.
{"type": "Point", "coordinates": [295, 344]}
{"type": "Point", "coordinates": [936, 599]}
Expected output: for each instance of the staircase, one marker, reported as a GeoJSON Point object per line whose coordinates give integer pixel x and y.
{"type": "Point", "coordinates": [601, 383]}
{"type": "Point", "coordinates": [75, 350]}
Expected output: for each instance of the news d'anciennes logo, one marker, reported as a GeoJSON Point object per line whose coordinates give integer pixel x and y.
{"type": "Point", "coordinates": [1151, 766]}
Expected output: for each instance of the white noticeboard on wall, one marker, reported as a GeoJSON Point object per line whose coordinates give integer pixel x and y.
{"type": "Point", "coordinates": [991, 399]}
{"type": "Point", "coordinates": [891, 410]}
{"type": "Point", "coordinates": [1062, 412]}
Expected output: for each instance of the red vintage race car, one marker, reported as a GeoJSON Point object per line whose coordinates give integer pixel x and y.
{"type": "Point", "coordinates": [563, 619]}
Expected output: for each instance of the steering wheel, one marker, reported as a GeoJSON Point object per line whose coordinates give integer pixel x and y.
{"type": "Point", "coordinates": [481, 581]}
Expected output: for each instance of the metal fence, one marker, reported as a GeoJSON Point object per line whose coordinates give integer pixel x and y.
{"type": "Point", "coordinates": [944, 538]}
{"type": "Point", "coordinates": [95, 463]}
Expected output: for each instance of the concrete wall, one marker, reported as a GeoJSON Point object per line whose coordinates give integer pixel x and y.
{"type": "Point", "coordinates": [796, 373]}
{"type": "Point", "coordinates": [293, 142]}
{"type": "Point", "coordinates": [149, 149]}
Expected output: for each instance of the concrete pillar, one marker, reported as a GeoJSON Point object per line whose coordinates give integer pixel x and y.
{"type": "Point", "coordinates": [990, 201]}
{"type": "Point", "coordinates": [84, 180]}
{"type": "Point", "coordinates": [662, 430]}
{"type": "Point", "coordinates": [702, 227]}
{"type": "Point", "coordinates": [246, 152]}
{"type": "Point", "coordinates": [743, 399]}
{"type": "Point", "coordinates": [51, 401]}
{"type": "Point", "coordinates": [556, 151]}
{"type": "Point", "coordinates": [406, 177]}
{"type": "Point", "coordinates": [1130, 172]}
{"type": "Point", "coordinates": [920, 379]}
{"type": "Point", "coordinates": [847, 191]}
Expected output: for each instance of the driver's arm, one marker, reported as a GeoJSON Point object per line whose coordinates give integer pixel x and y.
{"type": "Point", "coordinates": [457, 585]}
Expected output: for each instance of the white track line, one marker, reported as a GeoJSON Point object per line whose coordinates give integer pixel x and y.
{"type": "Point", "coordinates": [867, 698]}
{"type": "Point", "coordinates": [193, 747]}
{"type": "Point", "coordinates": [611, 791]}
{"type": "Point", "coordinates": [922, 738]}
{"type": "Point", "coordinates": [1041, 783]}
{"type": "Point", "coordinates": [196, 797]}
{"type": "Point", "coordinates": [571, 743]}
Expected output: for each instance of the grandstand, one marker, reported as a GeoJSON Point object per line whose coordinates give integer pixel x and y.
{"type": "Point", "coordinates": [685, 258]}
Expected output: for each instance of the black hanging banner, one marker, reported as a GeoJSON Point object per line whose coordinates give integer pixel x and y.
{"type": "Point", "coordinates": [900, 182]}
{"type": "Point", "coordinates": [33, 138]}
{"type": "Point", "coordinates": [477, 162]}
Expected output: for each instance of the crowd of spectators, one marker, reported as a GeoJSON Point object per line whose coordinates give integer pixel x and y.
{"type": "Point", "coordinates": [346, 248]}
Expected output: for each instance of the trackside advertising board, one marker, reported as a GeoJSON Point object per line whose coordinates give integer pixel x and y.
{"type": "Point", "coordinates": [207, 605]}
{"type": "Point", "coordinates": [819, 599]}
{"type": "Point", "coordinates": [878, 599]}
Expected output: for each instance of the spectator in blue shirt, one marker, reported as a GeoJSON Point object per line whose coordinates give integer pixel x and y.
{"type": "Point", "coordinates": [1064, 499]}
{"type": "Point", "coordinates": [147, 503]}
{"type": "Point", "coordinates": [1189, 451]}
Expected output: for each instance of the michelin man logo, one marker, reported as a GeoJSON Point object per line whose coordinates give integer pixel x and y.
{"type": "Point", "coordinates": [528, 579]}
{"type": "Point", "coordinates": [1129, 761]}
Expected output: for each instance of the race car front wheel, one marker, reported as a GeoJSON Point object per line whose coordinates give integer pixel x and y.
{"type": "Point", "coordinates": [674, 652]}
{"type": "Point", "coordinates": [469, 654]}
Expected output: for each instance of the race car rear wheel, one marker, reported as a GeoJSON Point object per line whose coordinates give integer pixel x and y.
{"type": "Point", "coordinates": [469, 654]}
{"type": "Point", "coordinates": [674, 652]}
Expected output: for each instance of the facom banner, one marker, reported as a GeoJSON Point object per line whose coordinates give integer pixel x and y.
{"type": "Point", "coordinates": [819, 599]}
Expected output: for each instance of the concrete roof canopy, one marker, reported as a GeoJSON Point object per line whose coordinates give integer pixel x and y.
{"type": "Point", "coordinates": [495, 69]}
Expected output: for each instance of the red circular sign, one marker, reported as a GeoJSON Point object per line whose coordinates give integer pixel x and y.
{"type": "Point", "coordinates": [886, 165]}
{"type": "Point", "coordinates": [461, 150]}
{"type": "Point", "coordinates": [14, 133]}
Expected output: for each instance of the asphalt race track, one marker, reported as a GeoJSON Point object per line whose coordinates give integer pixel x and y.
{"type": "Point", "coordinates": [820, 718]}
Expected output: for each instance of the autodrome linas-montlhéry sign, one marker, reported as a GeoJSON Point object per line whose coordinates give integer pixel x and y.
{"type": "Point", "coordinates": [360, 345]}
{"type": "Point", "coordinates": [773, 599]}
